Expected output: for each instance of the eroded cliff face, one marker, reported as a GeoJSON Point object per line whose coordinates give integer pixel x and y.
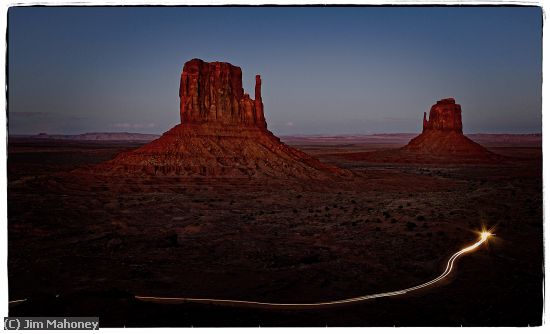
{"type": "Point", "coordinates": [223, 133]}
{"type": "Point", "coordinates": [445, 115]}
{"type": "Point", "coordinates": [213, 93]}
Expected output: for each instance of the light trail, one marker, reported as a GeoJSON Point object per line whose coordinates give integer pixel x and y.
{"type": "Point", "coordinates": [484, 236]}
{"type": "Point", "coordinates": [18, 301]}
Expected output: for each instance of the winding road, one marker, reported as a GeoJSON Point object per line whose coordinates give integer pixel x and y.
{"type": "Point", "coordinates": [484, 236]}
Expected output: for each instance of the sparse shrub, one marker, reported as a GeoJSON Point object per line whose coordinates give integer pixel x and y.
{"type": "Point", "coordinates": [327, 208]}
{"type": "Point", "coordinates": [353, 201]}
{"type": "Point", "coordinates": [295, 211]}
{"type": "Point", "coordinates": [393, 221]}
{"type": "Point", "coordinates": [420, 218]}
{"type": "Point", "coordinates": [378, 229]}
{"type": "Point", "coordinates": [411, 226]}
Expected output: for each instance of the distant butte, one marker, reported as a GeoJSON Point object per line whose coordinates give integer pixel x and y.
{"type": "Point", "coordinates": [445, 115]}
{"type": "Point", "coordinates": [442, 134]}
{"type": "Point", "coordinates": [441, 141]}
{"type": "Point", "coordinates": [223, 133]}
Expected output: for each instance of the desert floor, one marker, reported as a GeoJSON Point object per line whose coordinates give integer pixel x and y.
{"type": "Point", "coordinates": [95, 241]}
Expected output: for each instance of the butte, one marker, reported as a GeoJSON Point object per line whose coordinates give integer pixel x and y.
{"type": "Point", "coordinates": [223, 133]}
{"type": "Point", "coordinates": [441, 141]}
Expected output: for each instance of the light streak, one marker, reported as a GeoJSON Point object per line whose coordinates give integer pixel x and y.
{"type": "Point", "coordinates": [484, 236]}
{"type": "Point", "coordinates": [18, 301]}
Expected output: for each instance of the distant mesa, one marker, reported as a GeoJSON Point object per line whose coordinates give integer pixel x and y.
{"type": "Point", "coordinates": [442, 134]}
{"type": "Point", "coordinates": [441, 141]}
{"type": "Point", "coordinates": [223, 133]}
{"type": "Point", "coordinates": [90, 136]}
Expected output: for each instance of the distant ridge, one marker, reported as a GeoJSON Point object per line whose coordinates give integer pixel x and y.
{"type": "Point", "coordinates": [92, 136]}
{"type": "Point", "coordinates": [488, 139]}
{"type": "Point", "coordinates": [403, 137]}
{"type": "Point", "coordinates": [442, 141]}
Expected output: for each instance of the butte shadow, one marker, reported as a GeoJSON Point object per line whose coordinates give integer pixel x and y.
{"type": "Point", "coordinates": [441, 142]}
{"type": "Point", "coordinates": [223, 133]}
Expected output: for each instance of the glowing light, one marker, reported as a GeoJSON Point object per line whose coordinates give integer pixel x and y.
{"type": "Point", "coordinates": [484, 236]}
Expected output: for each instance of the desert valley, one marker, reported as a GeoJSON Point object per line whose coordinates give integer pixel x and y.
{"type": "Point", "coordinates": [220, 207]}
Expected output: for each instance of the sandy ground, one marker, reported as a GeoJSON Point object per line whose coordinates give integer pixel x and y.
{"type": "Point", "coordinates": [97, 241]}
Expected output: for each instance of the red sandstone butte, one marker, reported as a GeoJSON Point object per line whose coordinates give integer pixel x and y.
{"type": "Point", "coordinates": [441, 142]}
{"type": "Point", "coordinates": [445, 115]}
{"type": "Point", "coordinates": [213, 92]}
{"type": "Point", "coordinates": [442, 134]}
{"type": "Point", "coordinates": [223, 133]}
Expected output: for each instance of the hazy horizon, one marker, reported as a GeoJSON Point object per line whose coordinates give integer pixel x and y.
{"type": "Point", "coordinates": [283, 135]}
{"type": "Point", "coordinates": [325, 70]}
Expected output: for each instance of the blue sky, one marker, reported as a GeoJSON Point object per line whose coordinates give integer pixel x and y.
{"type": "Point", "coordinates": [326, 70]}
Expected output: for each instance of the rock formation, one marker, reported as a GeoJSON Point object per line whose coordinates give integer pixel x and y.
{"type": "Point", "coordinates": [223, 133]}
{"type": "Point", "coordinates": [213, 92]}
{"type": "Point", "coordinates": [442, 134]}
{"type": "Point", "coordinates": [441, 142]}
{"type": "Point", "coordinates": [445, 115]}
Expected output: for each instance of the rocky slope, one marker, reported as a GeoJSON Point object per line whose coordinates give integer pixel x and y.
{"type": "Point", "coordinates": [223, 133]}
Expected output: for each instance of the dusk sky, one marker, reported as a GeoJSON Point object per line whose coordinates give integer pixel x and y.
{"type": "Point", "coordinates": [325, 70]}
